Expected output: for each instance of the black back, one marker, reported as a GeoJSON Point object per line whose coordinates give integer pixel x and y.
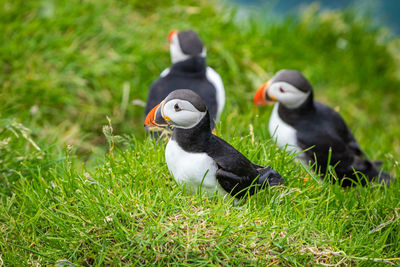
{"type": "Point", "coordinates": [320, 127]}
{"type": "Point", "coordinates": [188, 74]}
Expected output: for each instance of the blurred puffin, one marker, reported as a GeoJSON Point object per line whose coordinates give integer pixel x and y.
{"type": "Point", "coordinates": [189, 70]}
{"type": "Point", "coordinates": [197, 158]}
{"type": "Point", "coordinates": [298, 123]}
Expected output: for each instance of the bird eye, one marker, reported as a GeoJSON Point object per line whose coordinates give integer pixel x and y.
{"type": "Point", "coordinates": [281, 90]}
{"type": "Point", "coordinates": [177, 107]}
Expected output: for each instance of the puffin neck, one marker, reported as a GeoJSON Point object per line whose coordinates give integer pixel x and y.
{"type": "Point", "coordinates": [194, 139]}
{"type": "Point", "coordinates": [194, 66]}
{"type": "Point", "coordinates": [292, 115]}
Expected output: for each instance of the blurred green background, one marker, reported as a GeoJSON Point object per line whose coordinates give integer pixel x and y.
{"type": "Point", "coordinates": [65, 65]}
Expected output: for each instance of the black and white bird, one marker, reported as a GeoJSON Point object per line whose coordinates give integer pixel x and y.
{"type": "Point", "coordinates": [189, 71]}
{"type": "Point", "coordinates": [197, 158]}
{"type": "Point", "coordinates": [299, 123]}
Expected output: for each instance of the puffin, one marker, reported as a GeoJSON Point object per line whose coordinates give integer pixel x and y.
{"type": "Point", "coordinates": [189, 71]}
{"type": "Point", "coordinates": [197, 159]}
{"type": "Point", "coordinates": [316, 132]}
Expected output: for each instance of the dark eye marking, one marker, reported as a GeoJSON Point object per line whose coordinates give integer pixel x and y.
{"type": "Point", "coordinates": [281, 90]}
{"type": "Point", "coordinates": [177, 107]}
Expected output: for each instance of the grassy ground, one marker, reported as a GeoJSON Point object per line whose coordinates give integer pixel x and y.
{"type": "Point", "coordinates": [73, 191]}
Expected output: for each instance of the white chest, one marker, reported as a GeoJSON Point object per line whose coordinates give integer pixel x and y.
{"type": "Point", "coordinates": [283, 133]}
{"type": "Point", "coordinates": [193, 170]}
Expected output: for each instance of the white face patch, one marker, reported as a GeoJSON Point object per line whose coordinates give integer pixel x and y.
{"type": "Point", "coordinates": [176, 52]}
{"type": "Point", "coordinates": [182, 113]}
{"type": "Point", "coordinates": [287, 94]}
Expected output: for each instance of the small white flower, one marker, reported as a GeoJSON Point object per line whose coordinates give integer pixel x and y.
{"type": "Point", "coordinates": [108, 218]}
{"type": "Point", "coordinates": [342, 43]}
{"type": "Point", "coordinates": [34, 109]}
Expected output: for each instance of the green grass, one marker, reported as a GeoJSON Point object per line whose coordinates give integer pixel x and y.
{"type": "Point", "coordinates": [73, 191]}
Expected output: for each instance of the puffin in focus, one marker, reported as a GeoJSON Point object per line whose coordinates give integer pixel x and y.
{"type": "Point", "coordinates": [313, 129]}
{"type": "Point", "coordinates": [198, 159]}
{"type": "Point", "coordinates": [189, 71]}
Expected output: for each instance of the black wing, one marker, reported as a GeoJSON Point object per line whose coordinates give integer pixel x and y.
{"type": "Point", "coordinates": [361, 162]}
{"type": "Point", "coordinates": [236, 185]}
{"type": "Point", "coordinates": [339, 127]}
{"type": "Point", "coordinates": [329, 132]}
{"type": "Point", "coordinates": [236, 174]}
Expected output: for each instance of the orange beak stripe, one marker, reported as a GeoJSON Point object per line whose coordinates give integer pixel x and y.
{"type": "Point", "coordinates": [171, 34]}
{"type": "Point", "coordinates": [149, 121]}
{"type": "Point", "coordinates": [259, 97]}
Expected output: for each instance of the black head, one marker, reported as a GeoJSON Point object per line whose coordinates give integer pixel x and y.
{"type": "Point", "coordinates": [182, 108]}
{"type": "Point", "coordinates": [185, 45]}
{"type": "Point", "coordinates": [288, 87]}
{"type": "Point", "coordinates": [190, 43]}
{"type": "Point", "coordinates": [294, 78]}
{"type": "Point", "coordinates": [188, 95]}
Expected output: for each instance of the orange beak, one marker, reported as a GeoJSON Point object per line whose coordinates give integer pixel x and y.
{"type": "Point", "coordinates": [171, 34]}
{"type": "Point", "coordinates": [260, 97]}
{"type": "Point", "coordinates": [155, 117]}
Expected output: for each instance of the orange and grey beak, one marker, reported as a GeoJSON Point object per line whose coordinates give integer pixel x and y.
{"type": "Point", "coordinates": [262, 96]}
{"type": "Point", "coordinates": [155, 117]}
{"type": "Point", "coordinates": [171, 34]}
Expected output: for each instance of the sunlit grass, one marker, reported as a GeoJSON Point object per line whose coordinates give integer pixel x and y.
{"type": "Point", "coordinates": [73, 191]}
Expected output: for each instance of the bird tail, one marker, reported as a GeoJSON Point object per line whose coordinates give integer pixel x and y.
{"type": "Point", "coordinates": [381, 176]}
{"type": "Point", "coordinates": [269, 177]}
{"type": "Point", "coordinates": [385, 178]}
